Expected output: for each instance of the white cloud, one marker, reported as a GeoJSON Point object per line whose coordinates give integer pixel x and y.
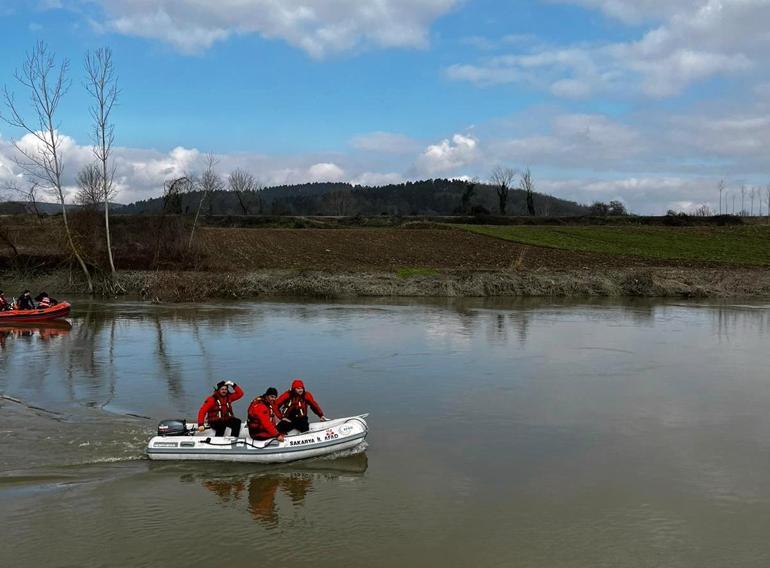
{"type": "Point", "coordinates": [584, 141]}
{"type": "Point", "coordinates": [696, 40]}
{"type": "Point", "coordinates": [320, 27]}
{"type": "Point", "coordinates": [637, 11]}
{"type": "Point", "coordinates": [642, 195]}
{"type": "Point", "coordinates": [326, 172]}
{"type": "Point", "coordinates": [447, 156]}
{"type": "Point", "coordinates": [377, 179]}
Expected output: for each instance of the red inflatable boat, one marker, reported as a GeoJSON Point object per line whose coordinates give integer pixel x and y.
{"type": "Point", "coordinates": [60, 310]}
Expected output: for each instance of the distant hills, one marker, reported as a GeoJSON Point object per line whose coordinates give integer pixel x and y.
{"type": "Point", "coordinates": [429, 197]}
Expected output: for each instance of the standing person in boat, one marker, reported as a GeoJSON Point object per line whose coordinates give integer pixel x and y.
{"type": "Point", "coordinates": [25, 301]}
{"type": "Point", "coordinates": [217, 410]}
{"type": "Point", "coordinates": [292, 408]}
{"type": "Point", "coordinates": [262, 417]}
{"type": "Point", "coordinates": [45, 301]}
{"type": "Point", "coordinates": [4, 305]}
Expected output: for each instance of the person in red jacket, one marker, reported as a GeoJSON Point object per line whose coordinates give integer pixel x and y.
{"type": "Point", "coordinates": [217, 409]}
{"type": "Point", "coordinates": [262, 417]}
{"type": "Point", "coordinates": [292, 406]}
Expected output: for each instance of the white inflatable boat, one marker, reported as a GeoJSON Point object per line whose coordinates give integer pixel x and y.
{"type": "Point", "coordinates": [177, 440]}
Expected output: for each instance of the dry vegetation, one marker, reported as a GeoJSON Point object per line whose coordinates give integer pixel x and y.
{"type": "Point", "coordinates": [241, 262]}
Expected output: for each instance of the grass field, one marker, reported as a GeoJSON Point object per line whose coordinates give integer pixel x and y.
{"type": "Point", "coordinates": [746, 245]}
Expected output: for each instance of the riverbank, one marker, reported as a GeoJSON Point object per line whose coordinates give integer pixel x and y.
{"type": "Point", "coordinates": [417, 260]}
{"type": "Point", "coordinates": [195, 286]}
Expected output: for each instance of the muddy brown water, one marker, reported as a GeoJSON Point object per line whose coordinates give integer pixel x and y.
{"type": "Point", "coordinates": [503, 433]}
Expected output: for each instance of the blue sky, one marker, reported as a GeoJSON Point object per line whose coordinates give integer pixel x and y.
{"type": "Point", "coordinates": [646, 101]}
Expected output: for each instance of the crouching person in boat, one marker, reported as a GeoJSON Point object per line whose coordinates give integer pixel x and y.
{"type": "Point", "coordinates": [217, 410]}
{"type": "Point", "coordinates": [4, 305]}
{"type": "Point", "coordinates": [45, 301]}
{"type": "Point", "coordinates": [292, 406]}
{"type": "Point", "coordinates": [262, 417]}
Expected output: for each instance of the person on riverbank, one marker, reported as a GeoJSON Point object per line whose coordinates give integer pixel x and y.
{"type": "Point", "coordinates": [217, 410]}
{"type": "Point", "coordinates": [292, 406]}
{"type": "Point", "coordinates": [25, 301]}
{"type": "Point", "coordinates": [262, 417]}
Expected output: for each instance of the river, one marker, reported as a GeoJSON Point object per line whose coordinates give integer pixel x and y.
{"type": "Point", "coordinates": [528, 433]}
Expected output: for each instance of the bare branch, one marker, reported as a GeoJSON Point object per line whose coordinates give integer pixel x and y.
{"type": "Point", "coordinates": [101, 84]}
{"type": "Point", "coordinates": [502, 179]}
{"type": "Point", "coordinates": [46, 83]}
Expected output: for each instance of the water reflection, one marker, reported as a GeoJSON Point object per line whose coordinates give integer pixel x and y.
{"type": "Point", "coordinates": [115, 350]}
{"type": "Point", "coordinates": [44, 332]}
{"type": "Point", "coordinates": [269, 494]}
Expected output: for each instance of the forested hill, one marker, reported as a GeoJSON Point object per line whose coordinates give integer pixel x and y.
{"type": "Point", "coordinates": [429, 197]}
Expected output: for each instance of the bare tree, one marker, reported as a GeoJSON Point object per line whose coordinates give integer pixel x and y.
{"type": "Point", "coordinates": [743, 198]}
{"type": "Point", "coordinates": [28, 190]}
{"type": "Point", "coordinates": [702, 210]}
{"type": "Point", "coordinates": [502, 178]}
{"type": "Point", "coordinates": [47, 83]}
{"type": "Point", "coordinates": [529, 188]}
{"type": "Point", "coordinates": [767, 191]}
{"type": "Point", "coordinates": [170, 238]}
{"type": "Point", "coordinates": [752, 195]}
{"type": "Point", "coordinates": [6, 236]}
{"type": "Point", "coordinates": [243, 184]}
{"type": "Point", "coordinates": [208, 182]}
{"type": "Point", "coordinates": [90, 187]}
{"type": "Point", "coordinates": [721, 187]}
{"type": "Point", "coordinates": [101, 84]}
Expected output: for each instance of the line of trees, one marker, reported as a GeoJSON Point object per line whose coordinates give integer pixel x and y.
{"type": "Point", "coordinates": [740, 200]}
{"type": "Point", "coordinates": [243, 195]}
{"type": "Point", "coordinates": [503, 179]}
{"type": "Point", "coordinates": [39, 155]}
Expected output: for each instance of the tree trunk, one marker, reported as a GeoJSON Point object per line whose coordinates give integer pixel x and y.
{"type": "Point", "coordinates": [75, 249]}
{"type": "Point", "coordinates": [530, 204]}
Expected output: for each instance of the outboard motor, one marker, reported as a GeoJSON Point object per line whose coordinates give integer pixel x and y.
{"type": "Point", "coordinates": [176, 427]}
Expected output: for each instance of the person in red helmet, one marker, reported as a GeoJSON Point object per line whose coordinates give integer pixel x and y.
{"type": "Point", "coordinates": [217, 410]}
{"type": "Point", "coordinates": [262, 417]}
{"type": "Point", "coordinates": [291, 408]}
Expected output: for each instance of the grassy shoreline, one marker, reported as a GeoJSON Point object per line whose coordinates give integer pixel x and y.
{"type": "Point", "coordinates": [195, 286]}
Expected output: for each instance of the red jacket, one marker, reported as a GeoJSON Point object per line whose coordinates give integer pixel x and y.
{"type": "Point", "coordinates": [291, 404]}
{"type": "Point", "coordinates": [217, 408]}
{"type": "Point", "coordinates": [261, 414]}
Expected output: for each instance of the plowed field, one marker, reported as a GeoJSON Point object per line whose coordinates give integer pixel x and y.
{"type": "Point", "coordinates": [385, 249]}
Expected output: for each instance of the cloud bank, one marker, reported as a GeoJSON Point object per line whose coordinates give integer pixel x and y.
{"type": "Point", "coordinates": [690, 41]}
{"type": "Point", "coordinates": [319, 27]}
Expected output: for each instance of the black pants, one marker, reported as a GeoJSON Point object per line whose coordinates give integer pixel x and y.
{"type": "Point", "coordinates": [298, 422]}
{"type": "Point", "coordinates": [234, 424]}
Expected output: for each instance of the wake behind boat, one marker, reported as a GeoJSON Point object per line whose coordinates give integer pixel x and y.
{"type": "Point", "coordinates": [177, 440]}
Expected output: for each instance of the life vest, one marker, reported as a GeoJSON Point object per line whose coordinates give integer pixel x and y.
{"type": "Point", "coordinates": [296, 405]}
{"type": "Point", "coordinates": [44, 303]}
{"type": "Point", "coordinates": [223, 408]}
{"type": "Point", "coordinates": [292, 405]}
{"type": "Point", "coordinates": [253, 421]}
